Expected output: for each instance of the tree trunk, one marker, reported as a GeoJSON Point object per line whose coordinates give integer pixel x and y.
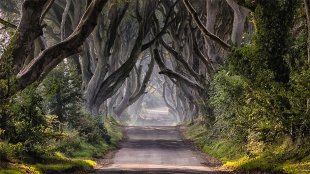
{"type": "Point", "coordinates": [240, 15]}
{"type": "Point", "coordinates": [307, 6]}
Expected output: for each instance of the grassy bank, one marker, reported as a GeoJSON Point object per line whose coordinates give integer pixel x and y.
{"type": "Point", "coordinates": [73, 154]}
{"type": "Point", "coordinates": [284, 157]}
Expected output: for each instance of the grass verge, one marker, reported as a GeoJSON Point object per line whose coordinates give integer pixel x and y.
{"type": "Point", "coordinates": [283, 157]}
{"type": "Point", "coordinates": [76, 157]}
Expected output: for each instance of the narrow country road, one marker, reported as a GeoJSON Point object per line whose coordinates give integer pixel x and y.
{"type": "Point", "coordinates": [155, 149]}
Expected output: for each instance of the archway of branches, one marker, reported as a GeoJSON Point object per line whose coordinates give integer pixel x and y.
{"type": "Point", "coordinates": [236, 70]}
{"type": "Point", "coordinates": [127, 52]}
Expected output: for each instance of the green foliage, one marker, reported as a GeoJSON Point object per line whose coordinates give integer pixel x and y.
{"type": "Point", "coordinates": [27, 124]}
{"type": "Point", "coordinates": [7, 83]}
{"type": "Point", "coordinates": [74, 145]}
{"type": "Point", "coordinates": [19, 168]}
{"type": "Point", "coordinates": [114, 130]}
{"type": "Point", "coordinates": [226, 101]}
{"type": "Point", "coordinates": [283, 156]}
{"type": "Point", "coordinates": [274, 20]}
{"type": "Point", "coordinates": [257, 99]}
{"type": "Point", "coordinates": [71, 145]}
{"type": "Point", "coordinates": [63, 98]}
{"type": "Point", "coordinates": [43, 121]}
{"type": "Point", "coordinates": [62, 94]}
{"type": "Point", "coordinates": [261, 97]}
{"type": "Point", "coordinates": [91, 129]}
{"type": "Point", "coordinates": [9, 152]}
{"type": "Point", "coordinates": [223, 149]}
{"type": "Point", "coordinates": [279, 158]}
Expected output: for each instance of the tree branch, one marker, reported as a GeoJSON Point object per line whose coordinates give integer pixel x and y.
{"type": "Point", "coordinates": [52, 56]}
{"type": "Point", "coordinates": [145, 81]}
{"type": "Point", "coordinates": [167, 23]}
{"type": "Point", "coordinates": [203, 29]}
{"type": "Point", "coordinates": [181, 59]}
{"type": "Point", "coordinates": [46, 8]}
{"type": "Point", "coordinates": [27, 31]}
{"type": "Point", "coordinates": [7, 24]}
{"type": "Point", "coordinates": [174, 75]}
{"type": "Point", "coordinates": [307, 7]}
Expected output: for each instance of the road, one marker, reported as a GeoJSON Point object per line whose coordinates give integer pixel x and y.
{"type": "Point", "coordinates": [155, 149]}
{"type": "Point", "coordinates": [156, 117]}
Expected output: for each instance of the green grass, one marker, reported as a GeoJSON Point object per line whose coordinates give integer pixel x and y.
{"type": "Point", "coordinates": [196, 133]}
{"type": "Point", "coordinates": [62, 164]}
{"type": "Point", "coordinates": [298, 168]}
{"type": "Point", "coordinates": [269, 163]}
{"type": "Point", "coordinates": [114, 130]}
{"type": "Point", "coordinates": [225, 150]}
{"type": "Point", "coordinates": [66, 166]}
{"type": "Point", "coordinates": [83, 149]}
{"type": "Point", "coordinates": [10, 172]}
{"type": "Point", "coordinates": [16, 168]}
{"type": "Point", "coordinates": [282, 157]}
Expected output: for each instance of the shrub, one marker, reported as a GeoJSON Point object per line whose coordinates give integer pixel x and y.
{"type": "Point", "coordinates": [10, 152]}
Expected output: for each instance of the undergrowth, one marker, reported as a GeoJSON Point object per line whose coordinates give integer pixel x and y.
{"type": "Point", "coordinates": [73, 153]}
{"type": "Point", "coordinates": [282, 157]}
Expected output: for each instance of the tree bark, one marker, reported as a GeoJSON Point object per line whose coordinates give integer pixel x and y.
{"type": "Point", "coordinates": [27, 31]}
{"type": "Point", "coordinates": [132, 94]}
{"type": "Point", "coordinates": [307, 6]}
{"type": "Point", "coordinates": [200, 25]}
{"type": "Point", "coordinates": [52, 56]}
{"type": "Point", "coordinates": [174, 75]}
{"type": "Point", "coordinates": [115, 80]}
{"type": "Point", "coordinates": [240, 15]}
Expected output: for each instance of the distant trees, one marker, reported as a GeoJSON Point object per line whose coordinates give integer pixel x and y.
{"type": "Point", "coordinates": [197, 49]}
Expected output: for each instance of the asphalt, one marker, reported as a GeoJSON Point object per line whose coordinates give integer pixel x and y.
{"type": "Point", "coordinates": [155, 149]}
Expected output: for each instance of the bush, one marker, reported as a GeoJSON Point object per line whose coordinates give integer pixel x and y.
{"type": "Point", "coordinates": [10, 152]}
{"type": "Point", "coordinates": [75, 144]}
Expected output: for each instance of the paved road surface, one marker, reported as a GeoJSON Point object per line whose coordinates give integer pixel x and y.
{"type": "Point", "coordinates": [156, 117]}
{"type": "Point", "coordinates": [156, 150]}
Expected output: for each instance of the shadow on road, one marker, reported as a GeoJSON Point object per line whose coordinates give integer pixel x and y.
{"type": "Point", "coordinates": [154, 149]}
{"type": "Point", "coordinates": [158, 171]}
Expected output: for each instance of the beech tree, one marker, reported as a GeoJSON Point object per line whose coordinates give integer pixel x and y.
{"type": "Point", "coordinates": [28, 30]}
{"type": "Point", "coordinates": [190, 41]}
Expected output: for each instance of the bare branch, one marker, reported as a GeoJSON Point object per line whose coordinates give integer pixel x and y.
{"type": "Point", "coordinates": [46, 8]}
{"type": "Point", "coordinates": [167, 23]}
{"type": "Point", "coordinates": [174, 75]}
{"type": "Point", "coordinates": [7, 24]}
{"type": "Point", "coordinates": [181, 59]}
{"type": "Point", "coordinates": [64, 19]}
